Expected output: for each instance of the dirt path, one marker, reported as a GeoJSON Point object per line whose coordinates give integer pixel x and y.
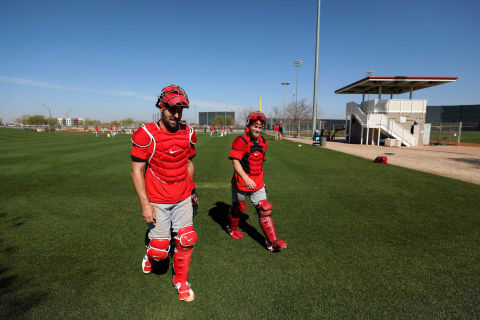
{"type": "Point", "coordinates": [457, 162]}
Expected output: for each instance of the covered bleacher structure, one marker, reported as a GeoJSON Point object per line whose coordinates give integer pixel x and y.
{"type": "Point", "coordinates": [400, 121]}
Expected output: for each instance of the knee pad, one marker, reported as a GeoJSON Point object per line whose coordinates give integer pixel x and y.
{"type": "Point", "coordinates": [238, 207]}
{"type": "Point", "coordinates": [186, 237]}
{"type": "Point", "coordinates": [264, 208]}
{"type": "Point", "coordinates": [158, 249]}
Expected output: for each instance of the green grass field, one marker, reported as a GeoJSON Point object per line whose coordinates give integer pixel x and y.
{"type": "Point", "coordinates": [364, 240]}
{"type": "Point", "coordinates": [466, 137]}
{"type": "Point", "coordinates": [470, 136]}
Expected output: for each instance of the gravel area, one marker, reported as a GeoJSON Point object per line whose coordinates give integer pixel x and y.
{"type": "Point", "coordinates": [457, 162]}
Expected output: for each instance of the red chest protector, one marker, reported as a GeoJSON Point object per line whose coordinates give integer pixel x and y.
{"type": "Point", "coordinates": [169, 151]}
{"type": "Point", "coordinates": [252, 159]}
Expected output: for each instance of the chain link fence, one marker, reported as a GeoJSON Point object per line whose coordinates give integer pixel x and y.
{"type": "Point", "coordinates": [454, 133]}
{"type": "Point", "coordinates": [332, 129]}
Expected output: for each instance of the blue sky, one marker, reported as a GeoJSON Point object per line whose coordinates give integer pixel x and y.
{"type": "Point", "coordinates": [107, 60]}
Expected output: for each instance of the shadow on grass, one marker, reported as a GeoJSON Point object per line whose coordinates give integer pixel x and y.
{"type": "Point", "coordinates": [17, 296]}
{"type": "Point", "coordinates": [219, 214]}
{"type": "Point", "coordinates": [473, 161]}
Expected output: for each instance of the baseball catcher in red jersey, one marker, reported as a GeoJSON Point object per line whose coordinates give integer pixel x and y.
{"type": "Point", "coordinates": [164, 178]}
{"type": "Point", "coordinates": [247, 155]}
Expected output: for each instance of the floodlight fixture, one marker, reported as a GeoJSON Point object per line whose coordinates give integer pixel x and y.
{"type": "Point", "coordinates": [297, 63]}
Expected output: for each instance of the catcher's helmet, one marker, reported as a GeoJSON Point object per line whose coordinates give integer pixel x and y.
{"type": "Point", "coordinates": [172, 95]}
{"type": "Point", "coordinates": [256, 117]}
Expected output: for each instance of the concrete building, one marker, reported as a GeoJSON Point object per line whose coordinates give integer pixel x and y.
{"type": "Point", "coordinates": [206, 118]}
{"type": "Point", "coordinates": [395, 121]}
{"type": "Point", "coordinates": [70, 122]}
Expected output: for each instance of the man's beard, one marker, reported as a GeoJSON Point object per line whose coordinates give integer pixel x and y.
{"type": "Point", "coordinates": [168, 125]}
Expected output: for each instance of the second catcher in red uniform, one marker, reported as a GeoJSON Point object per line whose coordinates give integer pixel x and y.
{"type": "Point", "coordinates": [164, 179]}
{"type": "Point", "coordinates": [247, 155]}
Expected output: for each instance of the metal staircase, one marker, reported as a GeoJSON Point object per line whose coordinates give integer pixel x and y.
{"type": "Point", "coordinates": [384, 123]}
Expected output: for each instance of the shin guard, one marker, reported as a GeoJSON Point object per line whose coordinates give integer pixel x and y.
{"type": "Point", "coordinates": [158, 249]}
{"type": "Point", "coordinates": [264, 209]}
{"type": "Point", "coordinates": [266, 223]}
{"type": "Point", "coordinates": [234, 213]}
{"type": "Point", "coordinates": [182, 256]}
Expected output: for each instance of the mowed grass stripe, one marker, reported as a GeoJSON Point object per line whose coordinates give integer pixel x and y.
{"type": "Point", "coordinates": [365, 240]}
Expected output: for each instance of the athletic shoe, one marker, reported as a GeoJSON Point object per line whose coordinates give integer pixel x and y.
{"type": "Point", "coordinates": [237, 234]}
{"type": "Point", "coordinates": [185, 292]}
{"type": "Point", "coordinates": [276, 245]}
{"type": "Point", "coordinates": [146, 265]}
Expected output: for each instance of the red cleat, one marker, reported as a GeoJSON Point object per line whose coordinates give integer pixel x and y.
{"type": "Point", "coordinates": [236, 234]}
{"type": "Point", "coordinates": [146, 265]}
{"type": "Point", "coordinates": [276, 245]}
{"type": "Point", "coordinates": [185, 292]}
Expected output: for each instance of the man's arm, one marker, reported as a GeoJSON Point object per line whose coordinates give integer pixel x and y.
{"type": "Point", "coordinates": [138, 178]}
{"type": "Point", "coordinates": [238, 169]}
{"type": "Point", "coordinates": [191, 172]}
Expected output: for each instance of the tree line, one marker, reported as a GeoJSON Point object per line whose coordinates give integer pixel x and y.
{"type": "Point", "coordinates": [39, 119]}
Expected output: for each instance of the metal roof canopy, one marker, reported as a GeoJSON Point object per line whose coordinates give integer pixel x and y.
{"type": "Point", "coordinates": [392, 84]}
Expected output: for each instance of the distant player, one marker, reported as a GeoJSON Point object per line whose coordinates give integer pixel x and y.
{"type": "Point", "coordinates": [96, 131]}
{"type": "Point", "coordinates": [164, 178]}
{"type": "Point", "coordinates": [248, 154]}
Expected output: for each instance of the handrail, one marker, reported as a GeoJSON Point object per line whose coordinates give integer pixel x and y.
{"type": "Point", "coordinates": [388, 124]}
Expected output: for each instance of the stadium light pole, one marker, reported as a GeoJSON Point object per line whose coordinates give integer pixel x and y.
{"type": "Point", "coordinates": [297, 63]}
{"type": "Point", "coordinates": [314, 124]}
{"type": "Point", "coordinates": [49, 111]}
{"type": "Point", "coordinates": [285, 84]}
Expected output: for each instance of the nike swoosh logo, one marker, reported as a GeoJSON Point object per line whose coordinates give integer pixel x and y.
{"type": "Point", "coordinates": [172, 151]}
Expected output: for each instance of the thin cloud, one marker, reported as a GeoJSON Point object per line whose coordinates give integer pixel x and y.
{"type": "Point", "coordinates": [202, 106]}
{"type": "Point", "coordinates": [49, 85]}
{"type": "Point", "coordinates": [214, 106]}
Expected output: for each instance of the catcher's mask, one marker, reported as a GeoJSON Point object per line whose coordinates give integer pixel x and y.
{"type": "Point", "coordinates": [256, 118]}
{"type": "Point", "coordinates": [172, 95]}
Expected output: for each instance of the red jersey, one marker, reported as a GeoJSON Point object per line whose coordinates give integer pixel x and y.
{"type": "Point", "coordinates": [167, 153]}
{"type": "Point", "coordinates": [251, 154]}
{"type": "Point", "coordinates": [276, 128]}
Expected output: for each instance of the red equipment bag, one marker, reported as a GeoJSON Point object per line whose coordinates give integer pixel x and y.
{"type": "Point", "coordinates": [381, 159]}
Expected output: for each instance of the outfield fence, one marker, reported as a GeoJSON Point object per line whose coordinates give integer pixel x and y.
{"type": "Point", "coordinates": [454, 133]}
{"type": "Point", "coordinates": [332, 128]}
